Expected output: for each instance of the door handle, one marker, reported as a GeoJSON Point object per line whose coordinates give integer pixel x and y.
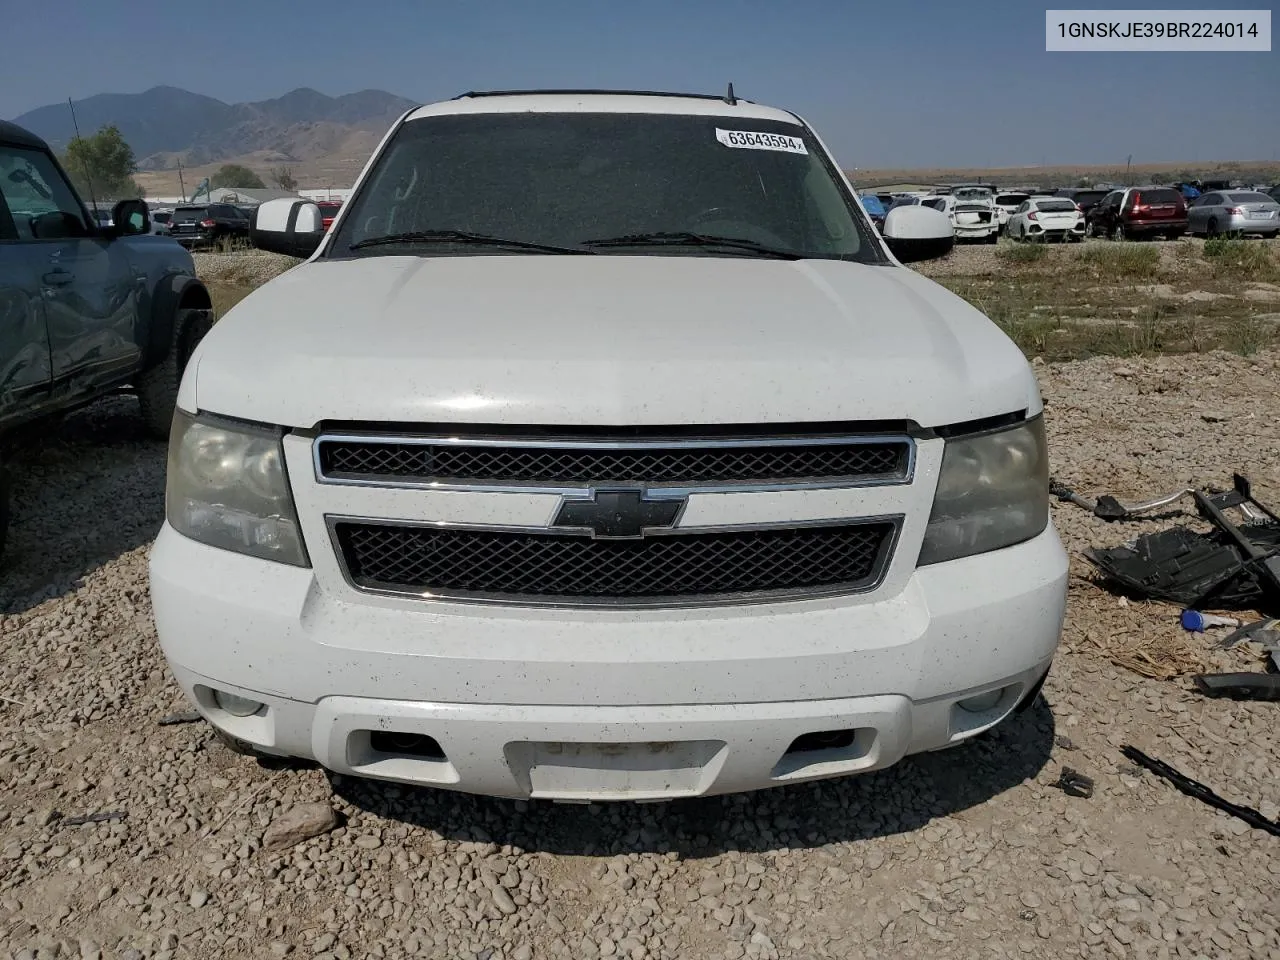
{"type": "Point", "coordinates": [58, 277]}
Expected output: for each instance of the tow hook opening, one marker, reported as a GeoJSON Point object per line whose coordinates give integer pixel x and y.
{"type": "Point", "coordinates": [399, 743]}
{"type": "Point", "coordinates": [822, 740]}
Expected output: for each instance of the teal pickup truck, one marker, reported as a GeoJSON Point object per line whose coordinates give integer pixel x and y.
{"type": "Point", "coordinates": [84, 309]}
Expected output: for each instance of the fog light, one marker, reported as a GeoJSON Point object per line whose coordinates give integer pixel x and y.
{"type": "Point", "coordinates": [236, 706]}
{"type": "Point", "coordinates": [982, 702]}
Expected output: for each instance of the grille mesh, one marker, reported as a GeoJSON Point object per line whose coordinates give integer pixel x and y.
{"type": "Point", "coordinates": [577, 569]}
{"type": "Point", "coordinates": [373, 459]}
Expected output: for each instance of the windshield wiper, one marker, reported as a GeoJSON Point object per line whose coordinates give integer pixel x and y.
{"type": "Point", "coordinates": [462, 236]}
{"type": "Point", "coordinates": [682, 238]}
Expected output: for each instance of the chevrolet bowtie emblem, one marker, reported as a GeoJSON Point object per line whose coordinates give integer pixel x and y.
{"type": "Point", "coordinates": [618, 514]}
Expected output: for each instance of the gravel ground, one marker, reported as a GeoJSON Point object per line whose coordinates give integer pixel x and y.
{"type": "Point", "coordinates": [248, 267]}
{"type": "Point", "coordinates": [969, 853]}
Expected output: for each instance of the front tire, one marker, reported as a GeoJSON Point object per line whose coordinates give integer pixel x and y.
{"type": "Point", "coordinates": [158, 387]}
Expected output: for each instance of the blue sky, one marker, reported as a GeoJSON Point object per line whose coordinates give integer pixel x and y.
{"type": "Point", "coordinates": [896, 83]}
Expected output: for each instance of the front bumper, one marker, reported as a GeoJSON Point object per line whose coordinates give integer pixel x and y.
{"type": "Point", "coordinates": [606, 705]}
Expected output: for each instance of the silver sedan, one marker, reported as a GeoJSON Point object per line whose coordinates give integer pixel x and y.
{"type": "Point", "coordinates": [1233, 212]}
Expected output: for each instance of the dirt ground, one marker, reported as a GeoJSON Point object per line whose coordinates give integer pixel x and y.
{"type": "Point", "coordinates": [968, 853]}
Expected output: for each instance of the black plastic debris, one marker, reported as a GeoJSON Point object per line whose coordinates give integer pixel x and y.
{"type": "Point", "coordinates": [1074, 783]}
{"type": "Point", "coordinates": [1239, 686]}
{"type": "Point", "coordinates": [1193, 788]}
{"type": "Point", "coordinates": [1235, 566]}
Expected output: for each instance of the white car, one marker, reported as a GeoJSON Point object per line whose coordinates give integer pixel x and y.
{"type": "Point", "coordinates": [972, 217]}
{"type": "Point", "coordinates": [1007, 204]}
{"type": "Point", "coordinates": [1046, 218]}
{"type": "Point", "coordinates": [633, 466]}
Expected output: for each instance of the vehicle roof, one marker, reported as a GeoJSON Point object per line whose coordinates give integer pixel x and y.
{"type": "Point", "coordinates": [600, 101]}
{"type": "Point", "coordinates": [12, 133]}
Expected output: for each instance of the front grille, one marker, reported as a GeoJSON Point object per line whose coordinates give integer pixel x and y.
{"type": "Point", "coordinates": [688, 462]}
{"type": "Point", "coordinates": [679, 568]}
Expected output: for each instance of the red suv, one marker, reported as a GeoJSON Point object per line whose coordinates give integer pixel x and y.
{"type": "Point", "coordinates": [1136, 213]}
{"type": "Point", "coordinates": [328, 210]}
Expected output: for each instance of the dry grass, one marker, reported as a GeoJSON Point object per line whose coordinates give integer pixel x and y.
{"type": "Point", "coordinates": [1248, 259]}
{"type": "Point", "coordinates": [227, 295]}
{"type": "Point", "coordinates": [1127, 299]}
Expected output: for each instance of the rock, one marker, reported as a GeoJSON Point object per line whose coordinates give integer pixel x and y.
{"type": "Point", "coordinates": [502, 900]}
{"type": "Point", "coordinates": [711, 886]}
{"type": "Point", "coordinates": [301, 822]}
{"type": "Point", "coordinates": [198, 898]}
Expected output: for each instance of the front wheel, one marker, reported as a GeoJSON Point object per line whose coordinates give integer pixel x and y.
{"type": "Point", "coordinates": [158, 387]}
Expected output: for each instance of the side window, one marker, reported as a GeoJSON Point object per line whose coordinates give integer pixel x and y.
{"type": "Point", "coordinates": [1023, 207]}
{"type": "Point", "coordinates": [1212, 200]}
{"type": "Point", "coordinates": [41, 203]}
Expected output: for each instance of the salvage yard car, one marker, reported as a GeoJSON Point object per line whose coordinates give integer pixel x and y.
{"type": "Point", "coordinates": [1047, 218]}
{"type": "Point", "coordinates": [1138, 213]}
{"type": "Point", "coordinates": [1234, 212]}
{"type": "Point", "coordinates": [973, 218]}
{"type": "Point", "coordinates": [602, 450]}
{"type": "Point", "coordinates": [84, 308]}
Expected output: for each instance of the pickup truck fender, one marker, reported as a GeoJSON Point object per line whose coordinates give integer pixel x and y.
{"type": "Point", "coordinates": [174, 293]}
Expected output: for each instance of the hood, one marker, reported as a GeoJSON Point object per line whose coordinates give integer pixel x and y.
{"type": "Point", "coordinates": [605, 340]}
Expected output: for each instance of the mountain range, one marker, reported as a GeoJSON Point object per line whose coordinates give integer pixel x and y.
{"type": "Point", "coordinates": [167, 124]}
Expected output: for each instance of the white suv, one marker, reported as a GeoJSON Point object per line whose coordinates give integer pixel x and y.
{"type": "Point", "coordinates": [601, 450]}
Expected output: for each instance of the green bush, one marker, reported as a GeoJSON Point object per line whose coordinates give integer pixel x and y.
{"type": "Point", "coordinates": [1241, 257]}
{"type": "Point", "coordinates": [1122, 259]}
{"type": "Point", "coordinates": [1022, 252]}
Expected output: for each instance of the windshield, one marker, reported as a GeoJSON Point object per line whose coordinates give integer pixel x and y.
{"type": "Point", "coordinates": [1086, 197]}
{"type": "Point", "coordinates": [566, 179]}
{"type": "Point", "coordinates": [190, 214]}
{"type": "Point", "coordinates": [1249, 197]}
{"type": "Point", "coordinates": [1056, 206]}
{"type": "Point", "coordinates": [1011, 199]}
{"type": "Point", "coordinates": [971, 193]}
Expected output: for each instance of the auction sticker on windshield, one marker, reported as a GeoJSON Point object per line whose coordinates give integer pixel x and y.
{"type": "Point", "coordinates": [754, 140]}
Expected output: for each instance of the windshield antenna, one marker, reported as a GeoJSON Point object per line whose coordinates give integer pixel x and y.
{"type": "Point", "coordinates": [84, 161]}
{"type": "Point", "coordinates": [729, 98]}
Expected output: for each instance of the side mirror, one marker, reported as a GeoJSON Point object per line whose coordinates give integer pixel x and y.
{"type": "Point", "coordinates": [292, 227]}
{"type": "Point", "coordinates": [131, 218]}
{"type": "Point", "coordinates": [917, 232]}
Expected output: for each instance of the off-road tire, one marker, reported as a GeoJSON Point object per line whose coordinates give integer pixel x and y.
{"type": "Point", "coordinates": [158, 387]}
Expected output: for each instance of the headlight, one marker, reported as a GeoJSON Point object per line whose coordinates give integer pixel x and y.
{"type": "Point", "coordinates": [993, 491]}
{"type": "Point", "coordinates": [227, 487]}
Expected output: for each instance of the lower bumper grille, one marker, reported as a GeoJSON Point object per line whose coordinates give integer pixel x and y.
{"type": "Point", "coordinates": [683, 568]}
